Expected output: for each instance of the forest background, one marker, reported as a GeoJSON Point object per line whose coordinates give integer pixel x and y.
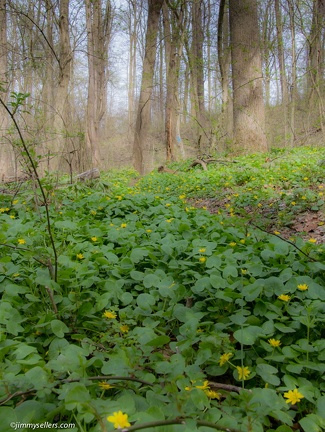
{"type": "Point", "coordinates": [130, 82]}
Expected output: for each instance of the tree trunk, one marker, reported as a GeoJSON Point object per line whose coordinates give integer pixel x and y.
{"type": "Point", "coordinates": [293, 85]}
{"type": "Point", "coordinates": [247, 80]}
{"type": "Point", "coordinates": [6, 151]}
{"type": "Point", "coordinates": [281, 61]}
{"type": "Point", "coordinates": [140, 145]}
{"type": "Point", "coordinates": [98, 31]}
{"type": "Point", "coordinates": [224, 59]}
{"type": "Point", "coordinates": [198, 74]}
{"type": "Point", "coordinates": [173, 32]}
{"type": "Point", "coordinates": [62, 92]}
{"type": "Point", "coordinates": [315, 77]}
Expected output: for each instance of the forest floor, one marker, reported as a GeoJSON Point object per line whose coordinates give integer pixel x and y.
{"type": "Point", "coordinates": [192, 301]}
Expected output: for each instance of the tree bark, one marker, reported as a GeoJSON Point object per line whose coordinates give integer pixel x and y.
{"type": "Point", "coordinates": [98, 24]}
{"type": "Point", "coordinates": [6, 152]}
{"type": "Point", "coordinates": [247, 80]}
{"type": "Point", "coordinates": [173, 30]}
{"type": "Point", "coordinates": [143, 120]}
{"type": "Point", "coordinates": [61, 122]}
{"type": "Point", "coordinates": [281, 61]}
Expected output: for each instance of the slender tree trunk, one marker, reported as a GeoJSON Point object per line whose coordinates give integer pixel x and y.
{"type": "Point", "coordinates": [144, 107]}
{"type": "Point", "coordinates": [224, 59]}
{"type": "Point", "coordinates": [281, 60]}
{"type": "Point", "coordinates": [62, 92]}
{"type": "Point", "coordinates": [249, 115]}
{"type": "Point", "coordinates": [98, 30]}
{"type": "Point", "coordinates": [132, 60]}
{"type": "Point", "coordinates": [198, 74]}
{"type": "Point", "coordinates": [6, 152]}
{"type": "Point", "coordinates": [315, 77]}
{"type": "Point", "coordinates": [294, 91]}
{"type": "Point", "coordinates": [173, 31]}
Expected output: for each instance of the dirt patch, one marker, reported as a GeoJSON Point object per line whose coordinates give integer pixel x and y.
{"type": "Point", "coordinates": [306, 225]}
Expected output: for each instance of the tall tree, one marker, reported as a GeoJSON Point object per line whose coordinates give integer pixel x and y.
{"type": "Point", "coordinates": [315, 75]}
{"type": "Point", "coordinates": [247, 80]}
{"type": "Point", "coordinates": [174, 29]}
{"type": "Point", "coordinates": [61, 117]}
{"type": "Point", "coordinates": [5, 150]}
{"type": "Point", "coordinates": [281, 62]}
{"type": "Point", "coordinates": [197, 73]}
{"type": "Point", "coordinates": [140, 145]}
{"type": "Point", "coordinates": [224, 58]}
{"type": "Point", "coordinates": [98, 22]}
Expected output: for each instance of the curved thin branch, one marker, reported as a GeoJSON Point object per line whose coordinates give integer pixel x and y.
{"type": "Point", "coordinates": [38, 180]}
{"type": "Point", "coordinates": [181, 421]}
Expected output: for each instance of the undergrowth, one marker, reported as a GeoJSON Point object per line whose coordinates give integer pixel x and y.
{"type": "Point", "coordinates": [164, 316]}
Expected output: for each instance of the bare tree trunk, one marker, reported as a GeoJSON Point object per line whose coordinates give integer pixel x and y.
{"type": "Point", "coordinates": [315, 77]}
{"type": "Point", "coordinates": [249, 116]}
{"type": "Point", "coordinates": [224, 59]}
{"type": "Point", "coordinates": [281, 60]}
{"type": "Point", "coordinates": [173, 26]}
{"type": "Point", "coordinates": [6, 152]}
{"type": "Point", "coordinates": [294, 92]}
{"type": "Point", "coordinates": [62, 94]}
{"type": "Point", "coordinates": [144, 107]}
{"type": "Point", "coordinates": [99, 31]}
{"type": "Point", "coordinates": [133, 23]}
{"type": "Point", "coordinates": [198, 74]}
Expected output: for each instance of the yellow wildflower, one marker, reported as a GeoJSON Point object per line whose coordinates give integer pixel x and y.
{"type": "Point", "coordinates": [312, 240]}
{"type": "Point", "coordinates": [213, 394]}
{"type": "Point", "coordinates": [224, 358]}
{"type": "Point", "coordinates": [80, 256]}
{"type": "Point", "coordinates": [2, 210]}
{"type": "Point", "coordinates": [182, 197]}
{"type": "Point", "coordinates": [202, 250]}
{"type": "Point", "coordinates": [149, 230]}
{"type": "Point", "coordinates": [123, 225]}
{"type": "Point", "coordinates": [94, 239]}
{"type": "Point", "coordinates": [293, 203]}
{"type": "Point", "coordinates": [274, 342]}
{"type": "Point", "coordinates": [15, 202]}
{"type": "Point", "coordinates": [124, 328]}
{"type": "Point", "coordinates": [302, 287]}
{"type": "Point", "coordinates": [202, 259]}
{"type": "Point", "coordinates": [12, 217]}
{"type": "Point", "coordinates": [243, 271]}
{"type": "Point", "coordinates": [93, 212]}
{"type": "Point", "coordinates": [276, 232]}
{"type": "Point", "coordinates": [105, 386]}
{"type": "Point", "coordinates": [293, 396]}
{"type": "Point", "coordinates": [119, 420]}
{"type": "Point", "coordinates": [232, 244]}
{"type": "Point", "coordinates": [204, 386]}
{"type": "Point", "coordinates": [21, 241]}
{"type": "Point", "coordinates": [109, 314]}
{"type": "Point", "coordinates": [284, 297]}
{"type": "Point", "coordinates": [243, 372]}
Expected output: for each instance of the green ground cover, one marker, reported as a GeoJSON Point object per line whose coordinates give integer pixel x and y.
{"type": "Point", "coordinates": [161, 314]}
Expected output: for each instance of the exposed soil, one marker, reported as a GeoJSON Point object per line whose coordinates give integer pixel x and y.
{"type": "Point", "coordinates": [307, 225]}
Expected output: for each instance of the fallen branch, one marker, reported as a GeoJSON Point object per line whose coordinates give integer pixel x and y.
{"type": "Point", "coordinates": [199, 162]}
{"type": "Point", "coordinates": [89, 175]}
